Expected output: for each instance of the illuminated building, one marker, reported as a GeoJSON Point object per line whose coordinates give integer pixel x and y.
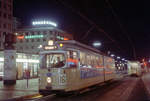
{"type": "Point", "coordinates": [32, 39]}
{"type": "Point", "coordinates": [6, 15]}
{"type": "Point", "coordinates": [23, 62]}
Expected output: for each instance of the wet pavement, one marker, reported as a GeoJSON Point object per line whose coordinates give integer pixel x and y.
{"type": "Point", "coordinates": [127, 89]}
{"type": "Point", "coordinates": [18, 90]}
{"type": "Point", "coordinates": [114, 91]}
{"type": "Point", "coordinates": [139, 93]}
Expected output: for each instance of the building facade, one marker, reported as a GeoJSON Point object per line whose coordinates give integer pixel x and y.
{"type": "Point", "coordinates": [6, 15]}
{"type": "Point", "coordinates": [32, 39]}
{"type": "Point", "coordinates": [23, 62]}
{"type": "Point", "coordinates": [16, 23]}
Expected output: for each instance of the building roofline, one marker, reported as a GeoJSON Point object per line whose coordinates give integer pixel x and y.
{"type": "Point", "coordinates": [24, 28]}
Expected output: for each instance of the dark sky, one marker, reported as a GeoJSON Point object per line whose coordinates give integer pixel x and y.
{"type": "Point", "coordinates": [125, 21]}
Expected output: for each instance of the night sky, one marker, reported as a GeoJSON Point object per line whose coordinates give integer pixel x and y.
{"type": "Point", "coordinates": [125, 22]}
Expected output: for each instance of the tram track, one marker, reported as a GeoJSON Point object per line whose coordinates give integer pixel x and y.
{"type": "Point", "coordinates": [98, 92]}
{"type": "Point", "coordinates": [104, 87]}
{"type": "Point", "coordinates": [41, 98]}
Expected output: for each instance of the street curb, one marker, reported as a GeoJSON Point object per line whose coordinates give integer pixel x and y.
{"type": "Point", "coordinates": [21, 98]}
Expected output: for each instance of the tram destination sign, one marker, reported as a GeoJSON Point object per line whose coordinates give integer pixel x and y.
{"type": "Point", "coordinates": [50, 47]}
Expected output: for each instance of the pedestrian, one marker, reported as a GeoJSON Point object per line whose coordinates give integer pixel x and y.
{"type": "Point", "coordinates": [28, 76]}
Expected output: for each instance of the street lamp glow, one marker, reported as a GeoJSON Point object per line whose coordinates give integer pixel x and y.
{"type": "Point", "coordinates": [126, 60]}
{"type": "Point", "coordinates": [118, 57]}
{"type": "Point", "coordinates": [112, 55]}
{"type": "Point", "coordinates": [44, 23]}
{"type": "Point", "coordinates": [97, 44]}
{"type": "Point", "coordinates": [123, 59]}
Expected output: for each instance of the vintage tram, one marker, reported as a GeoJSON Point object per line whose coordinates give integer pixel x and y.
{"type": "Point", "coordinates": [67, 66]}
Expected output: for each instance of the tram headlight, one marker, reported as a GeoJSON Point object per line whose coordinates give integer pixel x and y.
{"type": "Point", "coordinates": [61, 45]}
{"type": "Point", "coordinates": [49, 80]}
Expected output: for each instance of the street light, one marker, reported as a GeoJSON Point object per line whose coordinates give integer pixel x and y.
{"type": "Point", "coordinates": [112, 55]}
{"type": "Point", "coordinates": [97, 44]}
{"type": "Point", "coordinates": [118, 57]}
{"type": "Point", "coordinates": [123, 59]}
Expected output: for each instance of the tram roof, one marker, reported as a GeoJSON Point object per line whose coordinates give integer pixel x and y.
{"type": "Point", "coordinates": [80, 45]}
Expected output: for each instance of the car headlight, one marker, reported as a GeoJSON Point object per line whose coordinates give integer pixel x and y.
{"type": "Point", "coordinates": [49, 80]}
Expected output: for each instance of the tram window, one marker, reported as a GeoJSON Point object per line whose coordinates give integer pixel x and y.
{"type": "Point", "coordinates": [82, 59]}
{"type": "Point", "coordinates": [75, 55]}
{"type": "Point", "coordinates": [97, 63]}
{"type": "Point", "coordinates": [55, 60]}
{"type": "Point", "coordinates": [72, 59]}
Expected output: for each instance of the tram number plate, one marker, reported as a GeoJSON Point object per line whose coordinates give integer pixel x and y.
{"type": "Point", "coordinates": [48, 74]}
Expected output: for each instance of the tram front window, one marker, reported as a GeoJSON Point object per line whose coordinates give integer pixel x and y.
{"type": "Point", "coordinates": [55, 60]}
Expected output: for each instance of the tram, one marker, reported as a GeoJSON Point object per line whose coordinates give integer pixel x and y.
{"type": "Point", "coordinates": [134, 68]}
{"type": "Point", "coordinates": [67, 66]}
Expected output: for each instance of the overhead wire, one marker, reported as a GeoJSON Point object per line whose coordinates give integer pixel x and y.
{"type": "Point", "coordinates": [122, 28]}
{"type": "Point", "coordinates": [90, 22]}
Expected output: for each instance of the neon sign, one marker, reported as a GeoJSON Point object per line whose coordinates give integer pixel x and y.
{"type": "Point", "coordinates": [20, 37]}
{"type": "Point", "coordinates": [60, 38]}
{"type": "Point", "coordinates": [34, 36]}
{"type": "Point", "coordinates": [44, 23]}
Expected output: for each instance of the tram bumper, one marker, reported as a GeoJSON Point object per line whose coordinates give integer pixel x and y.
{"type": "Point", "coordinates": [45, 91]}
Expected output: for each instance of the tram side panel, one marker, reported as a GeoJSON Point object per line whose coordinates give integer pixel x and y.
{"type": "Point", "coordinates": [42, 79]}
{"type": "Point", "coordinates": [109, 65]}
{"type": "Point", "coordinates": [91, 69]}
{"type": "Point", "coordinates": [72, 79]}
{"type": "Point", "coordinates": [90, 72]}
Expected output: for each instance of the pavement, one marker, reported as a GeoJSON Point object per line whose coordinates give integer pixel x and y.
{"type": "Point", "coordinates": [18, 91]}
{"type": "Point", "coordinates": [131, 88]}
{"type": "Point", "coordinates": [146, 81]}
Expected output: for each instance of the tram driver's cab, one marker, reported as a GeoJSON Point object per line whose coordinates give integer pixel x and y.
{"type": "Point", "coordinates": [52, 66]}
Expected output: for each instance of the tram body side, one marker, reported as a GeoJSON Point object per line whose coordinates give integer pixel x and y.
{"type": "Point", "coordinates": [73, 79]}
{"type": "Point", "coordinates": [77, 78]}
{"type": "Point", "coordinates": [96, 68]}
